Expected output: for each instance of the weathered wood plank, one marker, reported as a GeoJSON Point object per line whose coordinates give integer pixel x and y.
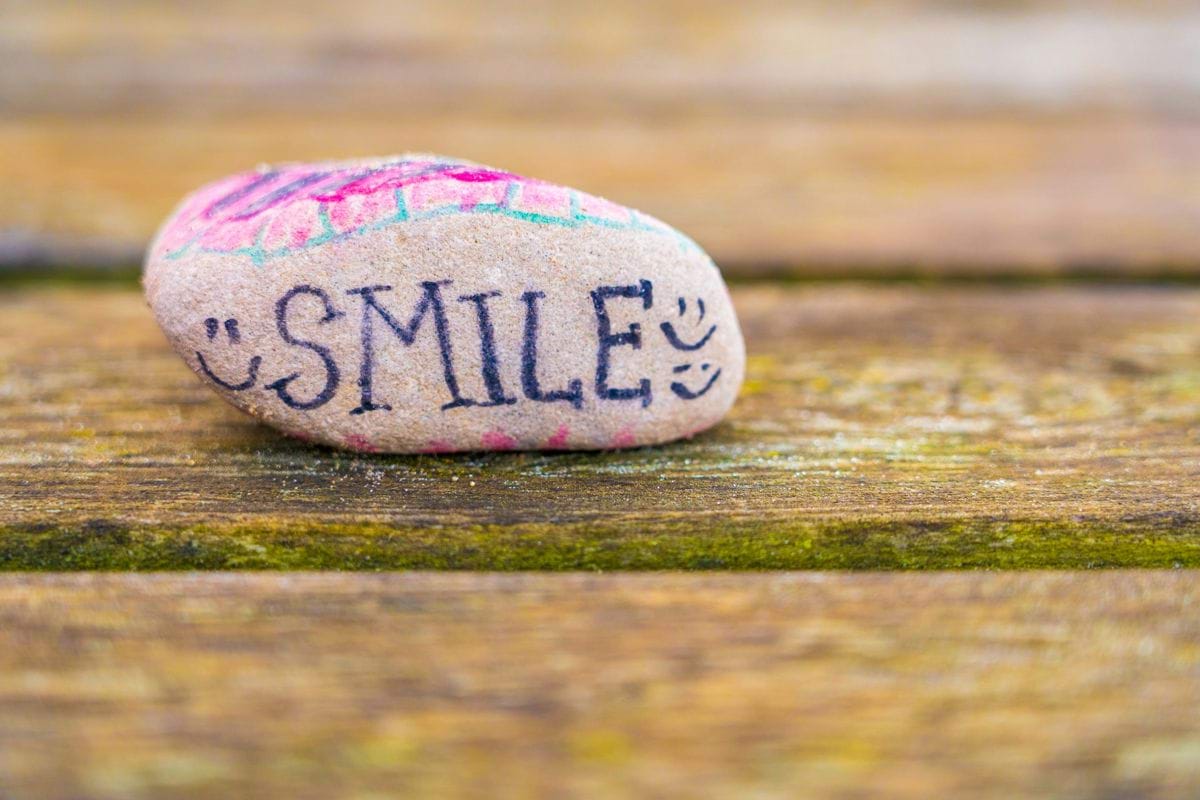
{"type": "Point", "coordinates": [866, 195]}
{"type": "Point", "coordinates": [805, 685]}
{"type": "Point", "coordinates": [879, 427]}
{"type": "Point", "coordinates": [800, 138]}
{"type": "Point", "coordinates": [762, 57]}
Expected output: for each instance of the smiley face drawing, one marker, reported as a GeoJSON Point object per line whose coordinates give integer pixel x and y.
{"type": "Point", "coordinates": [680, 389]}
{"type": "Point", "coordinates": [212, 327]}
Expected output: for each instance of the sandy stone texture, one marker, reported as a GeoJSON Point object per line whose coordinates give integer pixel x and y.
{"type": "Point", "coordinates": [425, 304]}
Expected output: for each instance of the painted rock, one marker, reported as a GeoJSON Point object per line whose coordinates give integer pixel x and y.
{"type": "Point", "coordinates": [428, 304]}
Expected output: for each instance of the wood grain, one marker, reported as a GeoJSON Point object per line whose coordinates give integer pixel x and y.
{"type": "Point", "coordinates": [885, 427]}
{"type": "Point", "coordinates": [1090, 196]}
{"type": "Point", "coordinates": [758, 57]}
{"type": "Point", "coordinates": [1035, 685]}
{"type": "Point", "coordinates": [893, 138]}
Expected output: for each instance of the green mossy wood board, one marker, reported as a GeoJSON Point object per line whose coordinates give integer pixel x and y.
{"type": "Point", "coordinates": [963, 685]}
{"type": "Point", "coordinates": [880, 427]}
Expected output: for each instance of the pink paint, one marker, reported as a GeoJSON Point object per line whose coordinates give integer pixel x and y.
{"type": "Point", "coordinates": [178, 234]}
{"type": "Point", "coordinates": [265, 215]}
{"type": "Point", "coordinates": [360, 444]}
{"type": "Point", "coordinates": [480, 175]}
{"type": "Point", "coordinates": [291, 183]}
{"type": "Point", "coordinates": [367, 182]}
{"type": "Point", "coordinates": [602, 209]}
{"type": "Point", "coordinates": [388, 178]}
{"type": "Point", "coordinates": [356, 195]}
{"type": "Point", "coordinates": [438, 447]}
{"type": "Point", "coordinates": [474, 194]}
{"type": "Point", "coordinates": [438, 194]}
{"type": "Point", "coordinates": [232, 235]}
{"type": "Point", "coordinates": [498, 440]}
{"type": "Point", "coordinates": [544, 199]}
{"type": "Point", "coordinates": [559, 440]}
{"type": "Point", "coordinates": [249, 186]}
{"type": "Point", "coordinates": [354, 212]}
{"type": "Point", "coordinates": [291, 228]}
{"type": "Point", "coordinates": [341, 214]}
{"type": "Point", "coordinates": [623, 438]}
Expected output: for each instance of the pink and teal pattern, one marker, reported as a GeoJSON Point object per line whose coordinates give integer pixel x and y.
{"type": "Point", "coordinates": [272, 213]}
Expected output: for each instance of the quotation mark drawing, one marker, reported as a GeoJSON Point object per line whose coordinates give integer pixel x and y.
{"type": "Point", "coordinates": [212, 327]}
{"type": "Point", "coordinates": [683, 390]}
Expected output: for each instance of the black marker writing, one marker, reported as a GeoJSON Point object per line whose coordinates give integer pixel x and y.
{"type": "Point", "coordinates": [431, 299]}
{"type": "Point", "coordinates": [332, 375]}
{"type": "Point", "coordinates": [487, 350]}
{"type": "Point", "coordinates": [573, 394]}
{"type": "Point", "coordinates": [609, 340]}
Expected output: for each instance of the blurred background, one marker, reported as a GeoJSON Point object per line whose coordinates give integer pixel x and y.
{"type": "Point", "coordinates": [1035, 137]}
{"type": "Point", "coordinates": [882, 427]}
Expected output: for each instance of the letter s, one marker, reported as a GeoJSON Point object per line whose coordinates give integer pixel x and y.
{"type": "Point", "coordinates": [332, 375]}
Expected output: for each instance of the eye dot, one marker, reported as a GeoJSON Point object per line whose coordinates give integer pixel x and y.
{"type": "Point", "coordinates": [704, 367]}
{"type": "Point", "coordinates": [682, 368]}
{"type": "Point", "coordinates": [210, 327]}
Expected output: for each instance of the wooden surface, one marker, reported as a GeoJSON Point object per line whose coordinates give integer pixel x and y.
{"type": "Point", "coordinates": [763, 56]}
{"type": "Point", "coordinates": [862, 196]}
{"type": "Point", "coordinates": [976, 685]}
{"type": "Point", "coordinates": [880, 426]}
{"type": "Point", "coordinates": [900, 137]}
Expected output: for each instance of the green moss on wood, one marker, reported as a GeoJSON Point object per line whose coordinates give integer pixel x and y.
{"type": "Point", "coordinates": [731, 545]}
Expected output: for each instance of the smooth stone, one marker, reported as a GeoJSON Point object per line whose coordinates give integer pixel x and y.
{"type": "Point", "coordinates": [425, 304]}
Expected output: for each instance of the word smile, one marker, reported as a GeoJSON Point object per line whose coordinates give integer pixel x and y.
{"type": "Point", "coordinates": [380, 324]}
